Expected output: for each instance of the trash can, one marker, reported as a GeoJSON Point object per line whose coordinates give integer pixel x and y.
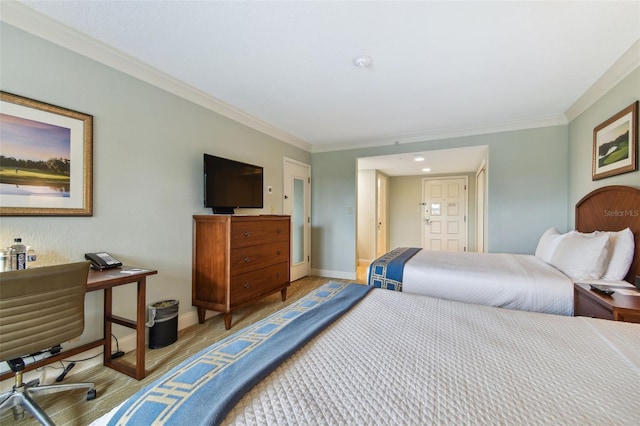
{"type": "Point", "coordinates": [163, 323]}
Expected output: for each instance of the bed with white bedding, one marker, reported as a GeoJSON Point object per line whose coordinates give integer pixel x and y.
{"type": "Point", "coordinates": [392, 358]}
{"type": "Point", "coordinates": [606, 245]}
{"type": "Point", "coordinates": [514, 281]}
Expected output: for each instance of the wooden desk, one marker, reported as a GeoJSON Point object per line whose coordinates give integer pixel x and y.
{"type": "Point", "coordinates": [106, 280]}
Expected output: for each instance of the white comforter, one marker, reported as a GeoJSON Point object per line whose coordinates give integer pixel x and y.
{"type": "Point", "coordinates": [401, 359]}
{"type": "Point", "coordinates": [515, 281]}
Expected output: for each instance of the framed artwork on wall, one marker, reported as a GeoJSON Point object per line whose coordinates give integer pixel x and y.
{"type": "Point", "coordinates": [46, 159]}
{"type": "Point", "coordinates": [615, 144]}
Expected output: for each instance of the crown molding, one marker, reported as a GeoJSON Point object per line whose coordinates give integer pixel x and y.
{"type": "Point", "coordinates": [528, 123]}
{"type": "Point", "coordinates": [628, 62]}
{"type": "Point", "coordinates": [27, 19]}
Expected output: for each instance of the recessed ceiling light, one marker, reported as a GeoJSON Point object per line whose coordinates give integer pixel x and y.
{"type": "Point", "coordinates": [418, 158]}
{"type": "Point", "coordinates": [426, 169]}
{"type": "Point", "coordinates": [362, 61]}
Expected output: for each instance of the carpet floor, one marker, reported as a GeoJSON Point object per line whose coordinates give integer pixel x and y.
{"type": "Point", "coordinates": [71, 408]}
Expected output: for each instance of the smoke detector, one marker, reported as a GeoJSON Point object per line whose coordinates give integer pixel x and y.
{"type": "Point", "coordinates": [362, 61]}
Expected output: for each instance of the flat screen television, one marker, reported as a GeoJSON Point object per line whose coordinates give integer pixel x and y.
{"type": "Point", "coordinates": [230, 184]}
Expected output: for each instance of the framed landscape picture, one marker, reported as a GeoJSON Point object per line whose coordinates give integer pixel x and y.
{"type": "Point", "coordinates": [45, 159]}
{"type": "Point", "coordinates": [615, 144]}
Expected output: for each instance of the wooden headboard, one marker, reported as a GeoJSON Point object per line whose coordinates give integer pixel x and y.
{"type": "Point", "coordinates": [612, 208]}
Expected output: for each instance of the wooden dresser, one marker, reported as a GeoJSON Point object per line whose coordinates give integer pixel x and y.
{"type": "Point", "coordinates": [237, 260]}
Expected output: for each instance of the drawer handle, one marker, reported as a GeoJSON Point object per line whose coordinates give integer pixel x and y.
{"type": "Point", "coordinates": [246, 259]}
{"type": "Point", "coordinates": [247, 234]}
{"type": "Point", "coordinates": [246, 285]}
{"type": "Point", "coordinates": [278, 231]}
{"type": "Point", "coordinates": [278, 252]}
{"type": "Point", "coordinates": [278, 274]}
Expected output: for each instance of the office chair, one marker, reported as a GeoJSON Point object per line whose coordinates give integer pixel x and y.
{"type": "Point", "coordinates": [39, 309]}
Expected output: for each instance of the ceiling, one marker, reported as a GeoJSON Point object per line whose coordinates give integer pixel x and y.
{"type": "Point", "coordinates": [436, 162]}
{"type": "Point", "coordinates": [439, 67]}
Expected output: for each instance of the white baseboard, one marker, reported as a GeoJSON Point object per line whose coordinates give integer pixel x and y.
{"type": "Point", "coordinates": [334, 274]}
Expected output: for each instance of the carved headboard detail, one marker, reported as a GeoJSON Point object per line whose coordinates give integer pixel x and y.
{"type": "Point", "coordinates": [612, 208]}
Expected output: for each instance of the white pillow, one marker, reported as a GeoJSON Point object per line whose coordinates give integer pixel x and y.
{"type": "Point", "coordinates": [548, 243]}
{"type": "Point", "coordinates": [582, 256]}
{"type": "Point", "coordinates": [621, 246]}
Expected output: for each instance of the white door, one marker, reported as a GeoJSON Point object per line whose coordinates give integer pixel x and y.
{"type": "Point", "coordinates": [297, 204]}
{"type": "Point", "coordinates": [381, 215]}
{"type": "Point", "coordinates": [445, 214]}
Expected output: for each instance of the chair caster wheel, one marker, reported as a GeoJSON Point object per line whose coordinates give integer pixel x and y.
{"type": "Point", "coordinates": [91, 395]}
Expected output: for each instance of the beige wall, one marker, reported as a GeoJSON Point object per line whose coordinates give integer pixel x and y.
{"type": "Point", "coordinates": [366, 216]}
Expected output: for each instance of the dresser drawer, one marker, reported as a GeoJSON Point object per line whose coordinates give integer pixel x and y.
{"type": "Point", "coordinates": [629, 317]}
{"type": "Point", "coordinates": [253, 284]}
{"type": "Point", "coordinates": [247, 259]}
{"type": "Point", "coordinates": [245, 234]}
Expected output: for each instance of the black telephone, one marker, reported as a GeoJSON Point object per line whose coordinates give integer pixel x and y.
{"type": "Point", "coordinates": [102, 261]}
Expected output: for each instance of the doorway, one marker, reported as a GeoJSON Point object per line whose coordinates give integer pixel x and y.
{"type": "Point", "coordinates": [297, 204]}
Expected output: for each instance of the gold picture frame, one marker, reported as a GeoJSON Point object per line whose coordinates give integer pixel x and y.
{"type": "Point", "coordinates": [615, 144]}
{"type": "Point", "coordinates": [46, 159]}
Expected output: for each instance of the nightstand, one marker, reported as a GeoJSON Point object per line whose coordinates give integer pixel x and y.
{"type": "Point", "coordinates": [617, 306]}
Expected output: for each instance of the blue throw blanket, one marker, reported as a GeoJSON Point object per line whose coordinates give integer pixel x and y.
{"type": "Point", "coordinates": [203, 388]}
{"type": "Point", "coordinates": [386, 271]}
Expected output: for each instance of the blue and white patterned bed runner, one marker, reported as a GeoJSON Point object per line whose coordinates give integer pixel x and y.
{"type": "Point", "coordinates": [386, 271]}
{"type": "Point", "coordinates": [203, 388]}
